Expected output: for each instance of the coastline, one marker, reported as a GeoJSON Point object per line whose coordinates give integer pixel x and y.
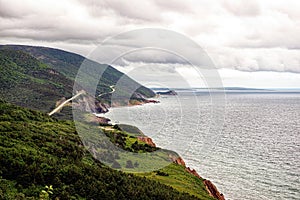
{"type": "Point", "coordinates": [209, 186]}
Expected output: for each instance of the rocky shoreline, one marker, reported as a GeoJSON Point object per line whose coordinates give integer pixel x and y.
{"type": "Point", "coordinates": [210, 187]}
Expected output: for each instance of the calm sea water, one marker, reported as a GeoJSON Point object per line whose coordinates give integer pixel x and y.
{"type": "Point", "coordinates": [256, 155]}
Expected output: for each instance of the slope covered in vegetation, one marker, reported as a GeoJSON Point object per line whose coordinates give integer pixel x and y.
{"type": "Point", "coordinates": [37, 77]}
{"type": "Point", "coordinates": [37, 150]}
{"type": "Point", "coordinates": [174, 175]}
{"type": "Point", "coordinates": [29, 82]}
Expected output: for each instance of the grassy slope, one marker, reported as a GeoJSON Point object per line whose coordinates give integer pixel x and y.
{"type": "Point", "coordinates": [37, 150]}
{"type": "Point", "coordinates": [173, 175]}
{"type": "Point", "coordinates": [177, 177]}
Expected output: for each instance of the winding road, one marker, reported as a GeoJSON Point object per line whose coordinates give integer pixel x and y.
{"type": "Point", "coordinates": [77, 95]}
{"type": "Point", "coordinates": [112, 87]}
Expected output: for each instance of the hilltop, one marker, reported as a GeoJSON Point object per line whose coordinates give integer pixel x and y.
{"type": "Point", "coordinates": [40, 77]}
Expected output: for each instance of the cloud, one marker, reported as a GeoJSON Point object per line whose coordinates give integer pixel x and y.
{"type": "Point", "coordinates": [180, 75]}
{"type": "Point", "coordinates": [262, 59]}
{"type": "Point", "coordinates": [259, 79]}
{"type": "Point", "coordinates": [243, 7]}
{"type": "Point", "coordinates": [242, 35]}
{"type": "Point", "coordinates": [164, 75]}
{"type": "Point", "coordinates": [8, 11]}
{"type": "Point", "coordinates": [53, 21]}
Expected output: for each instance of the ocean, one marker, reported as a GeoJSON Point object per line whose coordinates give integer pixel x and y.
{"type": "Point", "coordinates": [251, 152]}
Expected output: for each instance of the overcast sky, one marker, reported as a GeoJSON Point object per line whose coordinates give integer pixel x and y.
{"type": "Point", "coordinates": [253, 43]}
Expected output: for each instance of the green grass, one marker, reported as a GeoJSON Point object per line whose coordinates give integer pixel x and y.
{"type": "Point", "coordinates": [173, 174]}
{"type": "Point", "coordinates": [177, 177]}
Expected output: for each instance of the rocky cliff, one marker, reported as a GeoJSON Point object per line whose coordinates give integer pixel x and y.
{"type": "Point", "coordinates": [210, 187]}
{"type": "Point", "coordinates": [178, 161]}
{"type": "Point", "coordinates": [213, 191]}
{"type": "Point", "coordinates": [147, 140]}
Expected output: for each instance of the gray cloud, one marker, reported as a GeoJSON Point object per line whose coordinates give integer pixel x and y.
{"type": "Point", "coordinates": [243, 7]}
{"type": "Point", "coordinates": [243, 35]}
{"type": "Point", "coordinates": [16, 11]}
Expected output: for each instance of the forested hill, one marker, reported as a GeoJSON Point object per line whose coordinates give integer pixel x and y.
{"type": "Point", "coordinates": [37, 77]}
{"type": "Point", "coordinates": [37, 150]}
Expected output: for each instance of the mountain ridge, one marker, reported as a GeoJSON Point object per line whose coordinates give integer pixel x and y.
{"type": "Point", "coordinates": [54, 75]}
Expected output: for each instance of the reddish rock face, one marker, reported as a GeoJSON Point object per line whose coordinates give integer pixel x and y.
{"type": "Point", "coordinates": [210, 187]}
{"type": "Point", "coordinates": [193, 171]}
{"type": "Point", "coordinates": [178, 160]}
{"type": "Point", "coordinates": [213, 191]}
{"type": "Point", "coordinates": [147, 140]}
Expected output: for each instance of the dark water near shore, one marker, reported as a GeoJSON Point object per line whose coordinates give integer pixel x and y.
{"type": "Point", "coordinates": [255, 156]}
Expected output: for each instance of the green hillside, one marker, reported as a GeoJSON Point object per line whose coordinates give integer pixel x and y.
{"type": "Point", "coordinates": [31, 83]}
{"type": "Point", "coordinates": [37, 150]}
{"type": "Point", "coordinates": [38, 77]}
{"type": "Point", "coordinates": [174, 175]}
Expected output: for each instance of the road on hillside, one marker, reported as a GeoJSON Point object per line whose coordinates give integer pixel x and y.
{"type": "Point", "coordinates": [77, 95]}
{"type": "Point", "coordinates": [65, 102]}
{"type": "Point", "coordinates": [112, 87]}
